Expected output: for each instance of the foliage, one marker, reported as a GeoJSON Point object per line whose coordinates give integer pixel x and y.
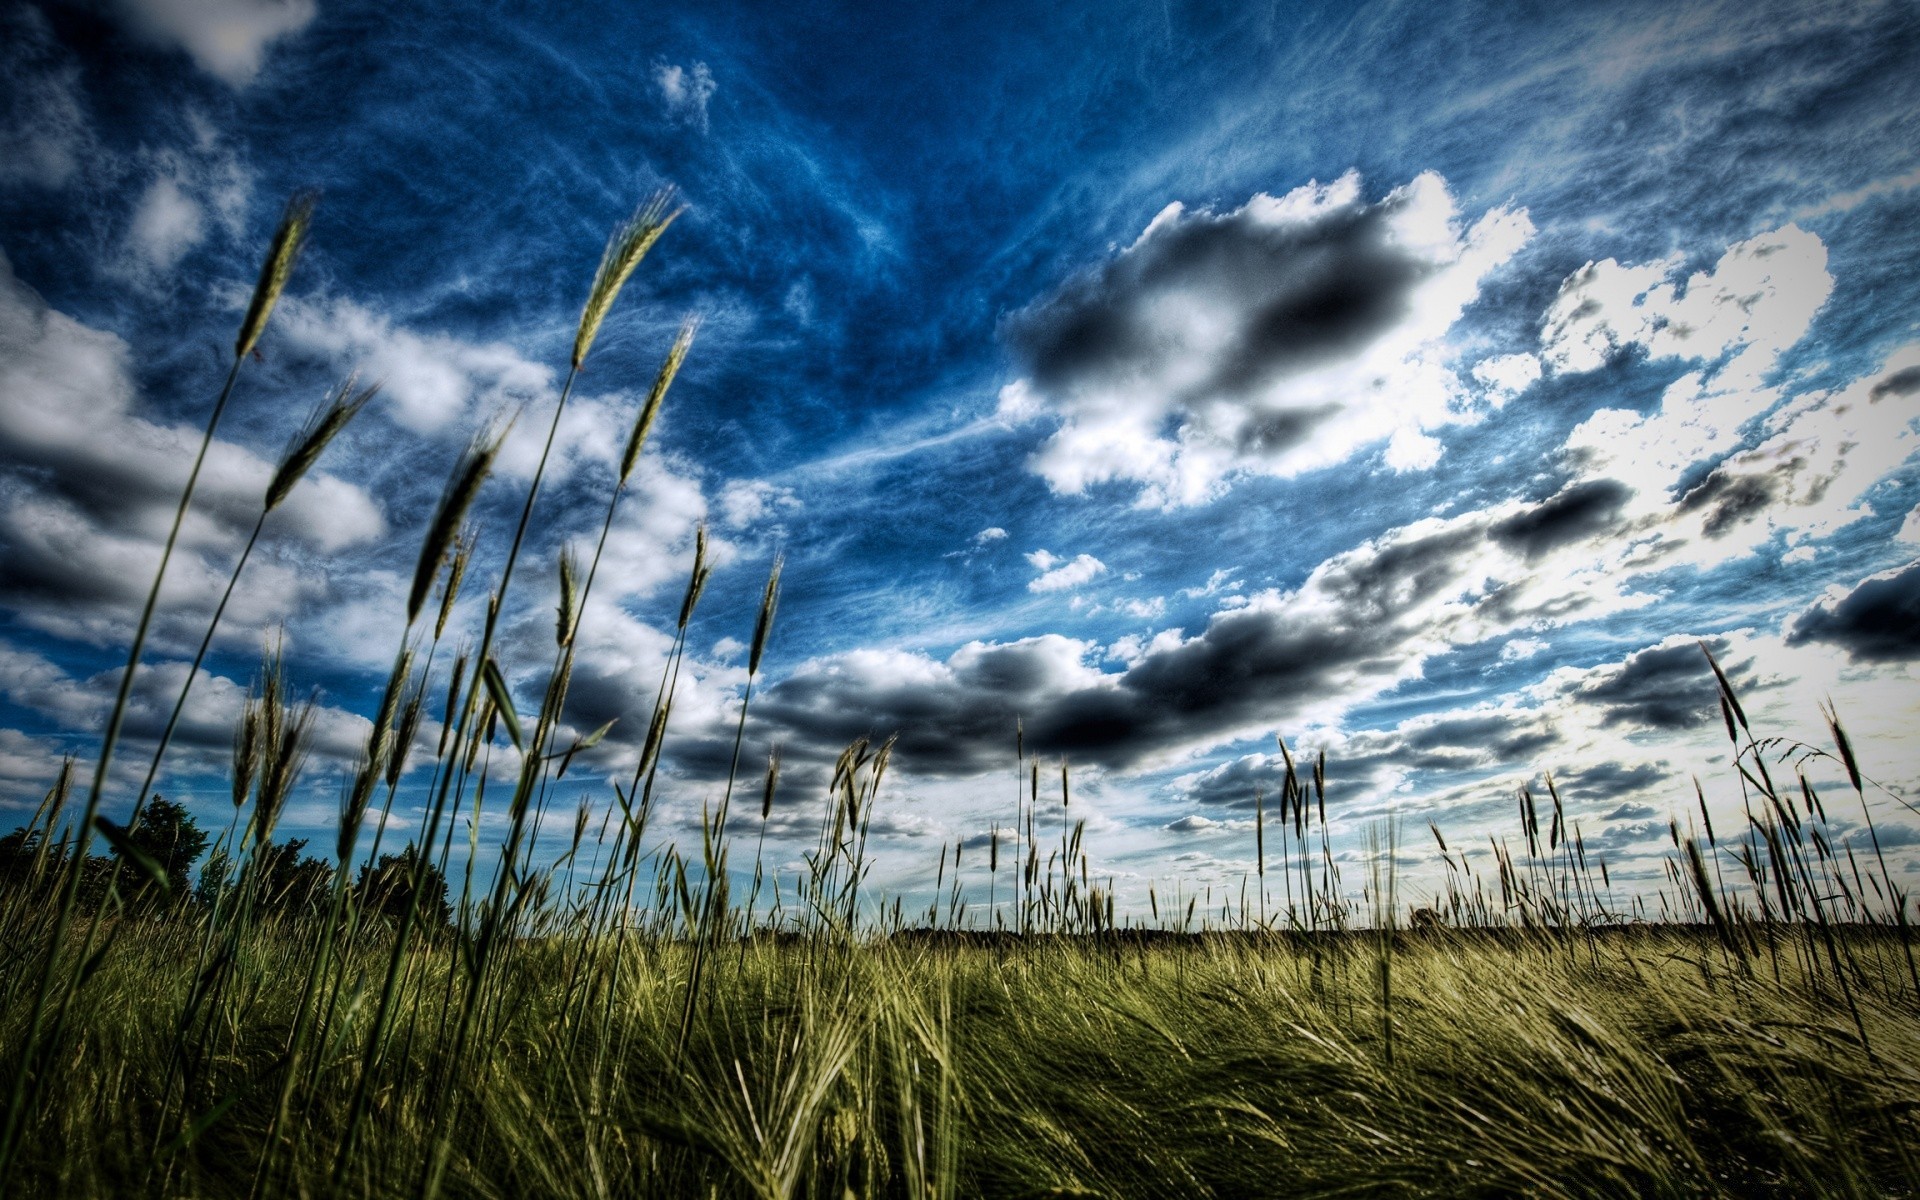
{"type": "Point", "coordinates": [386, 889]}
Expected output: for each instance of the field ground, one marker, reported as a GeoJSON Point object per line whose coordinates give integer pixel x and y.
{"type": "Point", "coordinates": [1648, 1061]}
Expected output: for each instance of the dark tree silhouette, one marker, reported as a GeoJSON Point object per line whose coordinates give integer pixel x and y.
{"type": "Point", "coordinates": [383, 890]}
{"type": "Point", "coordinates": [168, 835]}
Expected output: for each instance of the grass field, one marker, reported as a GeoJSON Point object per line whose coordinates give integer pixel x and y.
{"type": "Point", "coordinates": [1637, 1062]}
{"type": "Point", "coordinates": [627, 1019]}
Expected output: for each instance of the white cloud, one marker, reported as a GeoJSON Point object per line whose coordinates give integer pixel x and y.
{"type": "Point", "coordinates": [429, 380]}
{"type": "Point", "coordinates": [685, 91]}
{"type": "Point", "coordinates": [1910, 528]}
{"type": "Point", "coordinates": [166, 224]}
{"type": "Point", "coordinates": [1150, 609]}
{"type": "Point", "coordinates": [225, 38]}
{"type": "Point", "coordinates": [1280, 337]}
{"type": "Point", "coordinates": [1517, 649]}
{"type": "Point", "coordinates": [1058, 574]}
{"type": "Point", "coordinates": [1507, 375]}
{"type": "Point", "coordinates": [1757, 301]}
{"type": "Point", "coordinates": [91, 488]}
{"type": "Point", "coordinates": [991, 534]}
{"type": "Point", "coordinates": [194, 182]}
{"type": "Point", "coordinates": [1411, 450]}
{"type": "Point", "coordinates": [1192, 823]}
{"type": "Point", "coordinates": [745, 501]}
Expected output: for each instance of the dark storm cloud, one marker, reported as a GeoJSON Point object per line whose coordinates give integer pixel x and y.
{"type": "Point", "coordinates": [1348, 627]}
{"type": "Point", "coordinates": [1480, 740]}
{"type": "Point", "coordinates": [1878, 621]}
{"type": "Point", "coordinates": [1728, 497]}
{"type": "Point", "coordinates": [1609, 781]}
{"type": "Point", "coordinates": [1581, 511]}
{"type": "Point", "coordinates": [1301, 293]}
{"type": "Point", "coordinates": [1665, 687]}
{"type": "Point", "coordinates": [1901, 383]}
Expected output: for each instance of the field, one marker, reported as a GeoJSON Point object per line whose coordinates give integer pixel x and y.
{"type": "Point", "coordinates": [1638, 1062]}
{"type": "Point", "coordinates": [627, 1019]}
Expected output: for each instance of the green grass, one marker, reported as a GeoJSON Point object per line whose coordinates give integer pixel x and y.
{"type": "Point", "coordinates": [1638, 1062]}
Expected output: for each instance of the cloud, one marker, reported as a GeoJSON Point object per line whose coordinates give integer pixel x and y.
{"type": "Point", "coordinates": [1521, 649]}
{"type": "Point", "coordinates": [47, 138]}
{"type": "Point", "coordinates": [1507, 375]}
{"type": "Point", "coordinates": [197, 181]}
{"type": "Point", "coordinates": [1757, 301]}
{"type": "Point", "coordinates": [1363, 621]}
{"type": "Point", "coordinates": [429, 380]}
{"type": "Point", "coordinates": [991, 534]}
{"type": "Point", "coordinates": [1192, 823]}
{"type": "Point", "coordinates": [745, 501]}
{"type": "Point", "coordinates": [1579, 512]}
{"type": "Point", "coordinates": [1059, 575]}
{"type": "Point", "coordinates": [1877, 620]}
{"type": "Point", "coordinates": [1283, 336]}
{"type": "Point", "coordinates": [91, 488]}
{"type": "Point", "coordinates": [1667, 686]}
{"type": "Point", "coordinates": [166, 224]}
{"type": "Point", "coordinates": [685, 91]}
{"type": "Point", "coordinates": [205, 733]}
{"type": "Point", "coordinates": [225, 38]}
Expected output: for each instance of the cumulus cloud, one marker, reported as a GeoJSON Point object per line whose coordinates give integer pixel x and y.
{"type": "Point", "coordinates": [1285, 335]}
{"type": "Point", "coordinates": [1730, 458]}
{"type": "Point", "coordinates": [992, 533]}
{"type": "Point", "coordinates": [1756, 301]}
{"type": "Point", "coordinates": [1579, 512]}
{"type": "Point", "coordinates": [204, 736]}
{"type": "Point", "coordinates": [1736, 319]}
{"type": "Point", "coordinates": [685, 91]}
{"type": "Point", "coordinates": [1507, 375]}
{"type": "Point", "coordinates": [1058, 574]}
{"type": "Point", "coordinates": [1192, 823]}
{"type": "Point", "coordinates": [1877, 620]}
{"type": "Point", "coordinates": [91, 488]}
{"type": "Point", "coordinates": [1667, 686]}
{"type": "Point", "coordinates": [225, 38]}
{"type": "Point", "coordinates": [166, 224]}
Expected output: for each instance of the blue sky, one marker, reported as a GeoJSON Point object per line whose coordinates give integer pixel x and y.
{"type": "Point", "coordinates": [1417, 382]}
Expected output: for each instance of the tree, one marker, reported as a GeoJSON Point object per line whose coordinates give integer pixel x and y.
{"type": "Point", "coordinates": [284, 881]}
{"type": "Point", "coordinates": [168, 835]}
{"type": "Point", "coordinates": [383, 890]}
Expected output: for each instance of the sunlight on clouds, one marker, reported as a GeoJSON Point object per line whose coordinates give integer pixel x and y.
{"type": "Point", "coordinates": [1284, 336]}
{"type": "Point", "coordinates": [1058, 574]}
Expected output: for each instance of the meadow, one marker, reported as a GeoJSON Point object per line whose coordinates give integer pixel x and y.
{"type": "Point", "coordinates": [616, 1016]}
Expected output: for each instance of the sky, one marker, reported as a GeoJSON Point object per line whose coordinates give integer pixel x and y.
{"type": "Point", "coordinates": [1423, 384]}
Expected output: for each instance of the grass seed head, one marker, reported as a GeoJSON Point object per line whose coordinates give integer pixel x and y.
{"type": "Point", "coordinates": [763, 624]}
{"type": "Point", "coordinates": [628, 244]}
{"type": "Point", "coordinates": [456, 573]}
{"type": "Point", "coordinates": [643, 421]}
{"type": "Point", "coordinates": [281, 255]}
{"type": "Point", "coordinates": [568, 617]}
{"type": "Point", "coordinates": [311, 442]}
{"type": "Point", "coordinates": [772, 783]}
{"type": "Point", "coordinates": [697, 581]}
{"type": "Point", "coordinates": [475, 463]}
